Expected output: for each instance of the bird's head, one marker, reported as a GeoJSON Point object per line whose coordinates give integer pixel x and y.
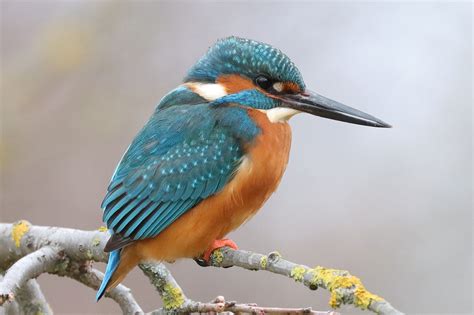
{"type": "Point", "coordinates": [257, 75]}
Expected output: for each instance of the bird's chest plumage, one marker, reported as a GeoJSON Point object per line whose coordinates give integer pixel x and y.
{"type": "Point", "coordinates": [261, 169]}
{"type": "Point", "coordinates": [257, 177]}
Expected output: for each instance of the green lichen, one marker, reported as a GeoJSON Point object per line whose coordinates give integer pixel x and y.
{"type": "Point", "coordinates": [61, 266]}
{"type": "Point", "coordinates": [217, 257]}
{"type": "Point", "coordinates": [19, 230]}
{"type": "Point", "coordinates": [264, 262]}
{"type": "Point", "coordinates": [89, 254]}
{"type": "Point", "coordinates": [173, 297]}
{"type": "Point", "coordinates": [96, 241]}
{"type": "Point", "coordinates": [336, 281]}
{"type": "Point", "coordinates": [297, 273]}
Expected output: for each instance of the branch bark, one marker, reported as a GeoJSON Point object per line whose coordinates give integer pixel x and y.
{"type": "Point", "coordinates": [31, 300]}
{"type": "Point", "coordinates": [69, 252]}
{"type": "Point", "coordinates": [26, 268]}
{"type": "Point", "coordinates": [85, 274]}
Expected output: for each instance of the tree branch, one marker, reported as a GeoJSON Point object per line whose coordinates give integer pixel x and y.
{"type": "Point", "coordinates": [174, 298]}
{"type": "Point", "coordinates": [31, 300]}
{"type": "Point", "coordinates": [344, 288]}
{"type": "Point", "coordinates": [78, 248]}
{"type": "Point", "coordinates": [72, 251]}
{"type": "Point", "coordinates": [85, 274]}
{"type": "Point", "coordinates": [26, 268]}
{"type": "Point", "coordinates": [9, 308]}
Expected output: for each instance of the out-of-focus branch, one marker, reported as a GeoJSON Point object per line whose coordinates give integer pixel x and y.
{"type": "Point", "coordinates": [69, 252]}
{"type": "Point", "coordinates": [11, 307]}
{"type": "Point", "coordinates": [26, 268]}
{"type": "Point", "coordinates": [85, 274]}
{"type": "Point", "coordinates": [21, 243]}
{"type": "Point", "coordinates": [22, 238]}
{"type": "Point", "coordinates": [31, 300]}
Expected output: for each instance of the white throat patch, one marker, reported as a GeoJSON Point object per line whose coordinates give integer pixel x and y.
{"type": "Point", "coordinates": [280, 114]}
{"type": "Point", "coordinates": [208, 91]}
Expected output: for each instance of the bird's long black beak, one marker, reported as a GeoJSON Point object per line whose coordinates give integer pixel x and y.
{"type": "Point", "coordinates": [319, 105]}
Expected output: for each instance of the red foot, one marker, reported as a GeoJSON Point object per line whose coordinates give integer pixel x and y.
{"type": "Point", "coordinates": [218, 244]}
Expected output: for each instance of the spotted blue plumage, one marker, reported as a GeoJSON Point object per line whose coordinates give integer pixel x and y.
{"type": "Point", "coordinates": [184, 154]}
{"type": "Point", "coordinates": [245, 57]}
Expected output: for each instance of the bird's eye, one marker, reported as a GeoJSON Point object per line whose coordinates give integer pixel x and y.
{"type": "Point", "coordinates": [263, 82]}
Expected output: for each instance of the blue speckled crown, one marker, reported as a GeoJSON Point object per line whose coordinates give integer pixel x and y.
{"type": "Point", "coordinates": [246, 57]}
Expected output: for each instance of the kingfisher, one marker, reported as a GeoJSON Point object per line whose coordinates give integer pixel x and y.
{"type": "Point", "coordinates": [211, 154]}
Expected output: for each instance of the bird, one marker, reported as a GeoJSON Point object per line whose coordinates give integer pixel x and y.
{"type": "Point", "coordinates": [211, 154]}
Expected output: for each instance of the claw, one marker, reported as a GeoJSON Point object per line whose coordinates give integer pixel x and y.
{"type": "Point", "coordinates": [204, 261]}
{"type": "Point", "coordinates": [201, 262]}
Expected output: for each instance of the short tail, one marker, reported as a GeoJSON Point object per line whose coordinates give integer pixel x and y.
{"type": "Point", "coordinates": [113, 263]}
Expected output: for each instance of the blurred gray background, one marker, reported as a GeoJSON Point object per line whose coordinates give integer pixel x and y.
{"type": "Point", "coordinates": [393, 206]}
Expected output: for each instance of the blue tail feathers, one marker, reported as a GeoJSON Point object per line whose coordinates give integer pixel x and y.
{"type": "Point", "coordinates": [114, 259]}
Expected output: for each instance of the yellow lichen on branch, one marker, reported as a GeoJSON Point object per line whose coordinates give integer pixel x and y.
{"type": "Point", "coordinates": [173, 297]}
{"type": "Point", "coordinates": [297, 273]}
{"type": "Point", "coordinates": [264, 262]}
{"type": "Point", "coordinates": [96, 241]}
{"type": "Point", "coordinates": [336, 281]}
{"type": "Point", "coordinates": [19, 230]}
{"type": "Point", "coordinates": [217, 256]}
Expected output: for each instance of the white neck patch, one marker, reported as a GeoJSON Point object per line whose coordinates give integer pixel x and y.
{"type": "Point", "coordinates": [208, 91]}
{"type": "Point", "coordinates": [280, 114]}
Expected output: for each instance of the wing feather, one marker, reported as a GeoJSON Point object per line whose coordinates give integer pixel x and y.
{"type": "Point", "coordinates": [180, 157]}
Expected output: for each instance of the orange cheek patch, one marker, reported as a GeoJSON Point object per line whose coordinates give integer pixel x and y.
{"type": "Point", "coordinates": [290, 87]}
{"type": "Point", "coordinates": [234, 83]}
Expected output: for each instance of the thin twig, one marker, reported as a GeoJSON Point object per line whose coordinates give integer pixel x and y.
{"type": "Point", "coordinates": [219, 305]}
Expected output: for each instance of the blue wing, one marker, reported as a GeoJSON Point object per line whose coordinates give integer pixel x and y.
{"type": "Point", "coordinates": [183, 155]}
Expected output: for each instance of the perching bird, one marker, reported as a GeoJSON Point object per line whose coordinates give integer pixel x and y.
{"type": "Point", "coordinates": [211, 154]}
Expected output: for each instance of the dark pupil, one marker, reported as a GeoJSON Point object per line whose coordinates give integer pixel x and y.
{"type": "Point", "coordinates": [263, 82]}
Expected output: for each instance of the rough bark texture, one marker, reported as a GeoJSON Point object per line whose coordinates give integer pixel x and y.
{"type": "Point", "coordinates": [26, 251]}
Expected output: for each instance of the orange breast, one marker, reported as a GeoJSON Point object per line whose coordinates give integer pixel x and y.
{"type": "Point", "coordinates": [256, 179]}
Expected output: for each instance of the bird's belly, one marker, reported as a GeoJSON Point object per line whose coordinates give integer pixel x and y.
{"type": "Point", "coordinates": [256, 179]}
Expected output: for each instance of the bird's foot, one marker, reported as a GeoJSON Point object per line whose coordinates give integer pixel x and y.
{"type": "Point", "coordinates": [205, 259]}
{"type": "Point", "coordinates": [218, 244]}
